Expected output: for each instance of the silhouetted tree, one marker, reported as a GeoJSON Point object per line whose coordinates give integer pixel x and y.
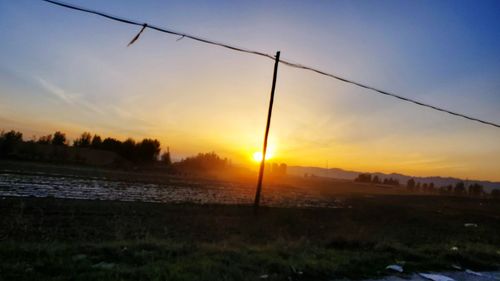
{"type": "Point", "coordinates": [459, 188]}
{"type": "Point", "coordinates": [410, 184]}
{"type": "Point", "coordinates": [165, 158]}
{"type": "Point", "coordinates": [128, 150]}
{"type": "Point", "coordinates": [148, 150]}
{"type": "Point", "coordinates": [96, 142]}
{"type": "Point", "coordinates": [431, 187]}
{"type": "Point", "coordinates": [417, 187]}
{"type": "Point", "coordinates": [495, 193]}
{"type": "Point", "coordinates": [376, 180]}
{"type": "Point", "coordinates": [9, 141]}
{"type": "Point", "coordinates": [363, 178]}
{"type": "Point", "coordinates": [443, 190]}
{"type": "Point", "coordinates": [45, 139]}
{"type": "Point", "coordinates": [475, 189]}
{"type": "Point", "coordinates": [59, 138]}
{"type": "Point", "coordinates": [83, 141]}
{"type": "Point", "coordinates": [145, 151]}
{"type": "Point", "coordinates": [391, 181]}
{"type": "Point", "coordinates": [202, 162]}
{"type": "Point", "coordinates": [111, 144]}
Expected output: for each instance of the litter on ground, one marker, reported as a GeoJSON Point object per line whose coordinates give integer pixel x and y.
{"type": "Point", "coordinates": [104, 265]}
{"type": "Point", "coordinates": [473, 272]}
{"type": "Point", "coordinates": [436, 277]}
{"type": "Point", "coordinates": [395, 267]}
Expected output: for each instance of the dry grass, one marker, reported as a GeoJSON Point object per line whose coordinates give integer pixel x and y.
{"type": "Point", "coordinates": [53, 239]}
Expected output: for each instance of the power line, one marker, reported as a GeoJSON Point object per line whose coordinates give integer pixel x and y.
{"type": "Point", "coordinates": [262, 54]}
{"type": "Point", "coordinates": [389, 94]}
{"type": "Point", "coordinates": [161, 29]}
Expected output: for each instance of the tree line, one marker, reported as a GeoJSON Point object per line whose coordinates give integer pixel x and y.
{"type": "Point", "coordinates": [144, 151]}
{"type": "Point", "coordinates": [147, 150]}
{"type": "Point", "coordinates": [460, 188]}
{"type": "Point", "coordinates": [203, 162]}
{"type": "Point", "coordinates": [368, 178]}
{"type": "Point", "coordinates": [12, 145]}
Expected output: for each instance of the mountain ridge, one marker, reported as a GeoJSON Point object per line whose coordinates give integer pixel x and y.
{"type": "Point", "coordinates": [339, 173]}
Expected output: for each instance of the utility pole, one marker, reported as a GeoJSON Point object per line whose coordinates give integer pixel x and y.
{"type": "Point", "coordinates": [264, 148]}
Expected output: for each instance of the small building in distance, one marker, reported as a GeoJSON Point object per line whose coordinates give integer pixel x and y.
{"type": "Point", "coordinates": [276, 169]}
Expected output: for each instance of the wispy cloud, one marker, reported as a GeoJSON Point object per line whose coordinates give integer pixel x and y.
{"type": "Point", "coordinates": [67, 97]}
{"type": "Point", "coordinates": [116, 116]}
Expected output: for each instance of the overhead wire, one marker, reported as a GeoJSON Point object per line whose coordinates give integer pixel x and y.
{"type": "Point", "coordinates": [265, 55]}
{"type": "Point", "coordinates": [390, 94]}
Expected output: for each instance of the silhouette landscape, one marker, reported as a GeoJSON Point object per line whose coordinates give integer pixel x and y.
{"type": "Point", "coordinates": [249, 140]}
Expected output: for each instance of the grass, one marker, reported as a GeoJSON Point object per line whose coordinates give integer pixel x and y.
{"type": "Point", "coordinates": [55, 239]}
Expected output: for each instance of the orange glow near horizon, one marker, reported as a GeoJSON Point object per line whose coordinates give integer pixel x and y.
{"type": "Point", "coordinates": [196, 99]}
{"type": "Point", "coordinates": [257, 155]}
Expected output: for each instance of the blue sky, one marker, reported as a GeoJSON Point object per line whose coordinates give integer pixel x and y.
{"type": "Point", "coordinates": [61, 69]}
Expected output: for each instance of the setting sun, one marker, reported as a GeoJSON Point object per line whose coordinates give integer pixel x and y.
{"type": "Point", "coordinates": [270, 153]}
{"type": "Point", "coordinates": [257, 156]}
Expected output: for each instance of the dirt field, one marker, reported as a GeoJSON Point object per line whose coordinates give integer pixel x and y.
{"type": "Point", "coordinates": [57, 239]}
{"type": "Point", "coordinates": [132, 225]}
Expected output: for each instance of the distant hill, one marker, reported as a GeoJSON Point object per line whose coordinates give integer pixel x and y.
{"type": "Point", "coordinates": [351, 175]}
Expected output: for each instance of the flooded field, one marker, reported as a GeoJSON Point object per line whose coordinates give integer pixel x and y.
{"type": "Point", "coordinates": [173, 190]}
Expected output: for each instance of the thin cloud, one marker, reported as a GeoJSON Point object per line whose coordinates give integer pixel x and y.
{"type": "Point", "coordinates": [142, 126]}
{"type": "Point", "coordinates": [56, 91]}
{"type": "Point", "coordinates": [65, 96]}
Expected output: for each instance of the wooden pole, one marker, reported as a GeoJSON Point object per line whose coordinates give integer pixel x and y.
{"type": "Point", "coordinates": [264, 149]}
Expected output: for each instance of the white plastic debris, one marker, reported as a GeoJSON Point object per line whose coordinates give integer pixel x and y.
{"type": "Point", "coordinates": [436, 277]}
{"type": "Point", "coordinates": [454, 248]}
{"type": "Point", "coordinates": [473, 272]}
{"type": "Point", "coordinates": [470, 224]}
{"type": "Point", "coordinates": [295, 270]}
{"type": "Point", "coordinates": [457, 267]}
{"type": "Point", "coordinates": [395, 267]}
{"type": "Point", "coordinates": [104, 265]}
{"type": "Point", "coordinates": [264, 276]}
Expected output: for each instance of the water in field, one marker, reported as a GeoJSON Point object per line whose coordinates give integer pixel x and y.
{"type": "Point", "coordinates": [173, 190]}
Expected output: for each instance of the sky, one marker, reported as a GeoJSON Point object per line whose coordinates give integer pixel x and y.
{"type": "Point", "coordinates": [65, 70]}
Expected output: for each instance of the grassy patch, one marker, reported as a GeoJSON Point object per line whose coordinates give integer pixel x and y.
{"type": "Point", "coordinates": [53, 239]}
